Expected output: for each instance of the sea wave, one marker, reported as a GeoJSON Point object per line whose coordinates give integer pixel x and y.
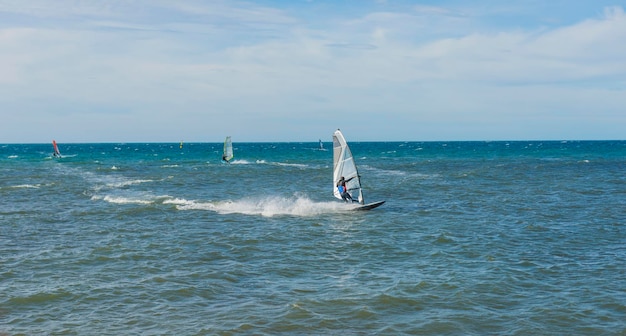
{"type": "Point", "coordinates": [126, 200]}
{"type": "Point", "coordinates": [33, 186]}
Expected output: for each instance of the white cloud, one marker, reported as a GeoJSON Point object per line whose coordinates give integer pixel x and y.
{"type": "Point", "coordinates": [269, 67]}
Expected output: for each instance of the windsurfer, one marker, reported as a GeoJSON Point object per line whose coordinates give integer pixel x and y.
{"type": "Point", "coordinates": [343, 190]}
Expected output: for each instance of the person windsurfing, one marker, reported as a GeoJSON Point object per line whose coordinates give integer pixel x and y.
{"type": "Point", "coordinates": [343, 190]}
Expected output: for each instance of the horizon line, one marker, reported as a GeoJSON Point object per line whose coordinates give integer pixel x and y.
{"type": "Point", "coordinates": [311, 141]}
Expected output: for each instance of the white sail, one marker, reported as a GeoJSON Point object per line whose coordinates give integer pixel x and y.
{"type": "Point", "coordinates": [228, 150]}
{"type": "Point", "coordinates": [344, 165]}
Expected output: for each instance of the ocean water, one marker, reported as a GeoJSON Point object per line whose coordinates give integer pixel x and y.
{"type": "Point", "coordinates": [476, 238]}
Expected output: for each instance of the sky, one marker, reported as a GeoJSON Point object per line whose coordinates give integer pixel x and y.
{"type": "Point", "coordinates": [296, 70]}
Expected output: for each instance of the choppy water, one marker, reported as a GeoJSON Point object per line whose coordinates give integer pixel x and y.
{"type": "Point", "coordinates": [476, 238]}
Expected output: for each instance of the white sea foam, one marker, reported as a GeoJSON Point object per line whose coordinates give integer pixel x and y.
{"type": "Point", "coordinates": [133, 199]}
{"type": "Point", "coordinates": [33, 186]}
{"type": "Point", "coordinates": [125, 183]}
{"type": "Point", "coordinates": [126, 200]}
{"type": "Point", "coordinates": [269, 206]}
{"type": "Point", "coordinates": [100, 182]}
{"type": "Point", "coordinates": [297, 165]}
{"type": "Point", "coordinates": [177, 201]}
{"type": "Point", "coordinates": [240, 162]}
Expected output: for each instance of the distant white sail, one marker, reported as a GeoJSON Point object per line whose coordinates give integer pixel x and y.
{"type": "Point", "coordinates": [344, 165]}
{"type": "Point", "coordinates": [228, 150]}
{"type": "Point", "coordinates": [321, 144]}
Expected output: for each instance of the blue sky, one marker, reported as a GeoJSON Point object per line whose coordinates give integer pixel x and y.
{"type": "Point", "coordinates": [161, 70]}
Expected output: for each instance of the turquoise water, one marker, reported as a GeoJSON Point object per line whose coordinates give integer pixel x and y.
{"type": "Point", "coordinates": [476, 238]}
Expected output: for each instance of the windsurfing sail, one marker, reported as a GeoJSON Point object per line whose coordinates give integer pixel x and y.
{"type": "Point", "coordinates": [181, 144]}
{"type": "Point", "coordinates": [321, 145]}
{"type": "Point", "coordinates": [344, 166]}
{"type": "Point", "coordinates": [228, 150]}
{"type": "Point", "coordinates": [56, 152]}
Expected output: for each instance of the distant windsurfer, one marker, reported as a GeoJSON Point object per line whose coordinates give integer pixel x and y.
{"type": "Point", "coordinates": [225, 159]}
{"type": "Point", "coordinates": [343, 190]}
{"type": "Point", "coordinates": [55, 152]}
